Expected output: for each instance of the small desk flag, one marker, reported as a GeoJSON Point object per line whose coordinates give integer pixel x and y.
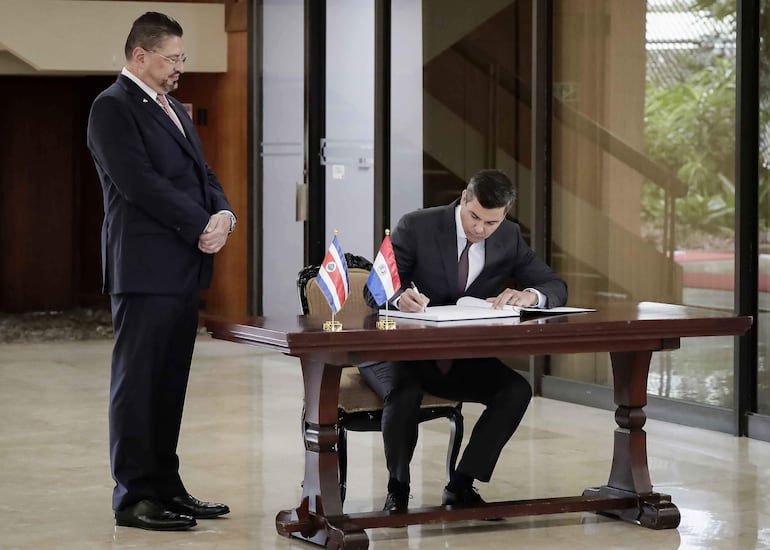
{"type": "Point", "coordinates": [333, 277]}
{"type": "Point", "coordinates": [383, 281]}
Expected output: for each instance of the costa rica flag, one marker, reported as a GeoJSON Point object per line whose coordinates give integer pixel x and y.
{"type": "Point", "coordinates": [333, 277]}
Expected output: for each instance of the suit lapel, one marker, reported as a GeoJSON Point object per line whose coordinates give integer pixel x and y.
{"type": "Point", "coordinates": [189, 129]}
{"type": "Point", "coordinates": [447, 243]}
{"type": "Point", "coordinates": [155, 111]}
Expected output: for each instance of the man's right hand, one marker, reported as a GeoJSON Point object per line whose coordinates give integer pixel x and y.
{"type": "Point", "coordinates": [412, 301]}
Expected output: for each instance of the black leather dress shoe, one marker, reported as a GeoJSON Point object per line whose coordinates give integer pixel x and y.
{"type": "Point", "coordinates": [468, 497]}
{"type": "Point", "coordinates": [396, 502]}
{"type": "Point", "coordinates": [191, 506]}
{"type": "Point", "coordinates": [147, 514]}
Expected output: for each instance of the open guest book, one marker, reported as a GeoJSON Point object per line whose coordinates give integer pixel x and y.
{"type": "Point", "coordinates": [468, 308]}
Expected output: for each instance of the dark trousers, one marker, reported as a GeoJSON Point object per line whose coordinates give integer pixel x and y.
{"type": "Point", "coordinates": [154, 339]}
{"type": "Point", "coordinates": [504, 392]}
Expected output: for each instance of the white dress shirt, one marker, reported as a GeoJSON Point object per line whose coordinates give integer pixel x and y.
{"type": "Point", "coordinates": [477, 255]}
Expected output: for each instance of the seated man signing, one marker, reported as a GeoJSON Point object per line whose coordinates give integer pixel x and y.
{"type": "Point", "coordinates": [465, 248]}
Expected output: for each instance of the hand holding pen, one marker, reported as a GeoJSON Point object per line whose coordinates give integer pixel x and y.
{"type": "Point", "coordinates": [412, 300]}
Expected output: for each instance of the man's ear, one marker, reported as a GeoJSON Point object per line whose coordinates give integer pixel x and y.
{"type": "Point", "coordinates": [138, 54]}
{"type": "Point", "coordinates": [462, 198]}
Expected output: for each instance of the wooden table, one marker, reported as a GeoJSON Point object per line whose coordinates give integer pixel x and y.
{"type": "Point", "coordinates": [630, 333]}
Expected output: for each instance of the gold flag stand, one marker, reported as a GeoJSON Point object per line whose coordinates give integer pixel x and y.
{"type": "Point", "coordinates": [332, 326]}
{"type": "Point", "coordinates": [386, 323]}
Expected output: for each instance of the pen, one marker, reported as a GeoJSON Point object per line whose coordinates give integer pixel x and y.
{"type": "Point", "coordinates": [414, 287]}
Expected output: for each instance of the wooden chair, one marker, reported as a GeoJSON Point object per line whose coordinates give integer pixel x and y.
{"type": "Point", "coordinates": [360, 409]}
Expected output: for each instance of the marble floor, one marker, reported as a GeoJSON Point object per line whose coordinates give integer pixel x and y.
{"type": "Point", "coordinates": [240, 444]}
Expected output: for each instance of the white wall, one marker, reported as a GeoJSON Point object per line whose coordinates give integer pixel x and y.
{"type": "Point", "coordinates": [350, 123]}
{"type": "Point", "coordinates": [406, 109]}
{"type": "Point", "coordinates": [349, 132]}
{"type": "Point", "coordinates": [283, 153]}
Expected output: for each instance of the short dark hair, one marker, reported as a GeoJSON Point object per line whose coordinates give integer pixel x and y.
{"type": "Point", "coordinates": [492, 189]}
{"type": "Point", "coordinates": [149, 30]}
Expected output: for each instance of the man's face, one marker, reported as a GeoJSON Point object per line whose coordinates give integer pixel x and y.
{"type": "Point", "coordinates": [479, 222]}
{"type": "Point", "coordinates": [161, 67]}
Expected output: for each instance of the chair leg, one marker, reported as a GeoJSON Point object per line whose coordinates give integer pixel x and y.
{"type": "Point", "coordinates": [342, 456]}
{"type": "Point", "coordinates": [302, 431]}
{"type": "Point", "coordinates": [456, 426]}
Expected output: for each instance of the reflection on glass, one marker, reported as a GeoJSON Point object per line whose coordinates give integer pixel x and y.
{"type": "Point", "coordinates": [643, 155]}
{"type": "Point", "coordinates": [643, 165]}
{"type": "Point", "coordinates": [476, 112]}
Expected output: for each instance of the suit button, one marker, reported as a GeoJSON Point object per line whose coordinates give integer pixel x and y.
{"type": "Point", "coordinates": [178, 228]}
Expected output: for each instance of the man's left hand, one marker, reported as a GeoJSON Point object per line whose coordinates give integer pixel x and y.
{"type": "Point", "coordinates": [513, 297]}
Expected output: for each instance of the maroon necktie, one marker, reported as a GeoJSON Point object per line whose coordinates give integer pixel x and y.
{"type": "Point", "coordinates": [462, 277]}
{"type": "Point", "coordinates": [166, 107]}
{"type": "Point", "coordinates": [462, 268]}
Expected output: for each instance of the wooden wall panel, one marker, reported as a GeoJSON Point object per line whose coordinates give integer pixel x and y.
{"type": "Point", "coordinates": [36, 194]}
{"type": "Point", "coordinates": [228, 294]}
{"type": "Point", "coordinates": [51, 201]}
{"type": "Point", "coordinates": [223, 97]}
{"type": "Point", "coordinates": [236, 15]}
{"type": "Point", "coordinates": [89, 205]}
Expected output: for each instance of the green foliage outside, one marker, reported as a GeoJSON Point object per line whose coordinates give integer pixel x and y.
{"type": "Point", "coordinates": [690, 129]}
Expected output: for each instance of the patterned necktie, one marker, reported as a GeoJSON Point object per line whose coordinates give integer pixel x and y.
{"type": "Point", "coordinates": [171, 114]}
{"type": "Point", "coordinates": [462, 268]}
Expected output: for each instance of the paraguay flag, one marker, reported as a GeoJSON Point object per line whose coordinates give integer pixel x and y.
{"type": "Point", "coordinates": [333, 276]}
{"type": "Point", "coordinates": [383, 281]}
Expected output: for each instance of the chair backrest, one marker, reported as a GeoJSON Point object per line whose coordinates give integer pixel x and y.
{"type": "Point", "coordinates": [311, 298]}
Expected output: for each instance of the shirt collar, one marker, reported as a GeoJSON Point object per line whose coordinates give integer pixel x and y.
{"type": "Point", "coordinates": [460, 234]}
{"type": "Point", "coordinates": [138, 81]}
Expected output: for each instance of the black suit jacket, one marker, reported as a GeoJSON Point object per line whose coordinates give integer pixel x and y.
{"type": "Point", "coordinates": [158, 194]}
{"type": "Point", "coordinates": [425, 246]}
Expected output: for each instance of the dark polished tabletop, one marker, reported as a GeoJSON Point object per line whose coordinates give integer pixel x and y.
{"type": "Point", "coordinates": [619, 327]}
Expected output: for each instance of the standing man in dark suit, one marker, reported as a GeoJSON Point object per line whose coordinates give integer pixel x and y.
{"type": "Point", "coordinates": [465, 248]}
{"type": "Point", "coordinates": [165, 216]}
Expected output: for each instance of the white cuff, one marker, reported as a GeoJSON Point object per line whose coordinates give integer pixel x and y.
{"type": "Point", "coordinates": [232, 219]}
{"type": "Point", "coordinates": [541, 299]}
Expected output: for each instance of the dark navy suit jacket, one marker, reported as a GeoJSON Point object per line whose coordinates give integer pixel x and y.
{"type": "Point", "coordinates": [425, 246]}
{"type": "Point", "coordinates": [158, 194]}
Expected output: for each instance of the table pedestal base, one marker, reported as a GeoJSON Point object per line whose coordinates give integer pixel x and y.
{"type": "Point", "coordinates": [309, 526]}
{"type": "Point", "coordinates": [346, 531]}
{"type": "Point", "coordinates": [654, 510]}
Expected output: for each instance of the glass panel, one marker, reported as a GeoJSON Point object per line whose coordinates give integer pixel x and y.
{"type": "Point", "coordinates": [476, 76]}
{"type": "Point", "coordinates": [643, 164]}
{"type": "Point", "coordinates": [763, 394]}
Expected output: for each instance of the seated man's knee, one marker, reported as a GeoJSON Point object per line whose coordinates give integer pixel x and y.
{"type": "Point", "coordinates": [517, 393]}
{"type": "Point", "coordinates": [405, 395]}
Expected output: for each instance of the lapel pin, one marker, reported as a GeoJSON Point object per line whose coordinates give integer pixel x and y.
{"type": "Point", "coordinates": [144, 100]}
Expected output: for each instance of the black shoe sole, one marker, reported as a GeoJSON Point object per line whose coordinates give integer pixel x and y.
{"type": "Point", "coordinates": [119, 523]}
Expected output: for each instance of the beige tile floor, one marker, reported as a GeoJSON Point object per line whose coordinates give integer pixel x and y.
{"type": "Point", "coordinates": [240, 444]}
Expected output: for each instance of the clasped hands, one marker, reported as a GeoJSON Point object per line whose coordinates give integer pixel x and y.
{"type": "Point", "coordinates": [413, 301]}
{"type": "Point", "coordinates": [215, 233]}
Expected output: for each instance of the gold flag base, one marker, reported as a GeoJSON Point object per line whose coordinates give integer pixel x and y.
{"type": "Point", "coordinates": [332, 326]}
{"type": "Point", "coordinates": [386, 324]}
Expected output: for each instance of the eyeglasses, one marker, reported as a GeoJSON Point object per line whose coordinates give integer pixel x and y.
{"type": "Point", "coordinates": [170, 60]}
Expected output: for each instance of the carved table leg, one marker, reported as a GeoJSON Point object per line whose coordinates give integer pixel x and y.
{"type": "Point", "coordinates": [320, 488]}
{"type": "Point", "coordinates": [630, 475]}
